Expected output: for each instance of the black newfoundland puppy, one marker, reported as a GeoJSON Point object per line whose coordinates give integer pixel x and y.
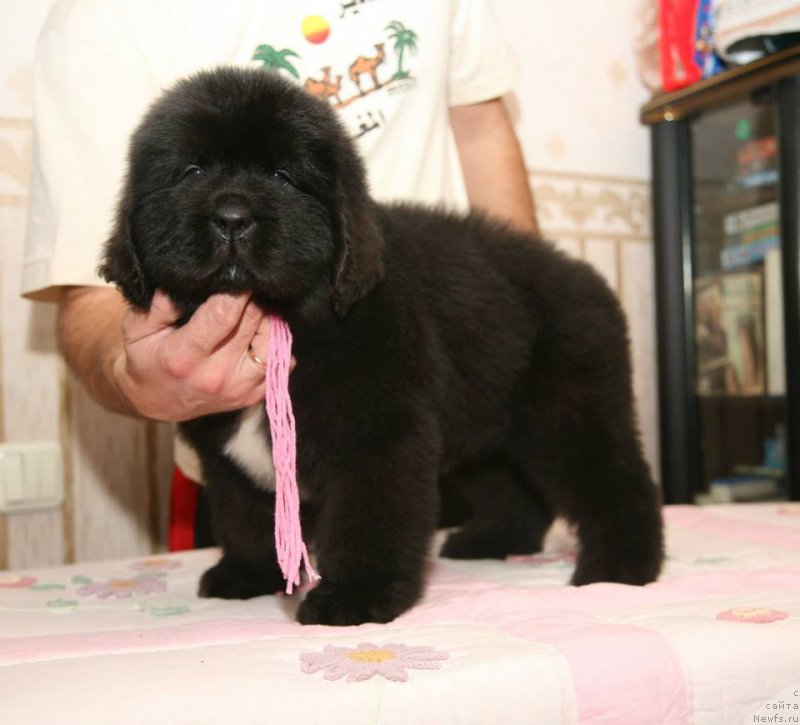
{"type": "Point", "coordinates": [448, 367]}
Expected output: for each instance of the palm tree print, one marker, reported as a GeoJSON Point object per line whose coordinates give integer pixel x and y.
{"type": "Point", "coordinates": [404, 39]}
{"type": "Point", "coordinates": [275, 60]}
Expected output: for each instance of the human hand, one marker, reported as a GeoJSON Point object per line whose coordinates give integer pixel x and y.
{"type": "Point", "coordinates": [174, 374]}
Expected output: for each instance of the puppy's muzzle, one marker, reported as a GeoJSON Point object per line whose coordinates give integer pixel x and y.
{"type": "Point", "coordinates": [232, 218]}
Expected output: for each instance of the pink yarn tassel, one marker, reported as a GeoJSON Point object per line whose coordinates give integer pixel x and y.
{"type": "Point", "coordinates": [288, 533]}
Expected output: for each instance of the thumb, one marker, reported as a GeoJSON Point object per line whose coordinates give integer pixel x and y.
{"type": "Point", "coordinates": [161, 315]}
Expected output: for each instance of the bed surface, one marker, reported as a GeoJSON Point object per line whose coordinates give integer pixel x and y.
{"type": "Point", "coordinates": [715, 640]}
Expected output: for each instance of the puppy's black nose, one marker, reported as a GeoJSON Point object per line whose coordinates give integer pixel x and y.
{"type": "Point", "coordinates": [232, 218]}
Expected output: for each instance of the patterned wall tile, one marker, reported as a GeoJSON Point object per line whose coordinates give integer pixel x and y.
{"type": "Point", "coordinates": [113, 491]}
{"type": "Point", "coordinates": [35, 539]}
{"type": "Point", "coordinates": [30, 375]}
{"type": "Point", "coordinates": [577, 203]}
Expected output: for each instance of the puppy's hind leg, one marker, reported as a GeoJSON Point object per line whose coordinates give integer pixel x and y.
{"type": "Point", "coordinates": [615, 504]}
{"type": "Point", "coordinates": [578, 438]}
{"type": "Point", "coordinates": [597, 478]}
{"type": "Point", "coordinates": [503, 517]}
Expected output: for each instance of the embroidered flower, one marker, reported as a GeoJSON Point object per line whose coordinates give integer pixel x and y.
{"type": "Point", "coordinates": [390, 660]}
{"type": "Point", "coordinates": [711, 559]}
{"type": "Point", "coordinates": [63, 605]}
{"type": "Point", "coordinates": [124, 588]}
{"type": "Point", "coordinates": [167, 608]}
{"type": "Point", "coordinates": [15, 581]}
{"type": "Point", "coordinates": [759, 615]}
{"type": "Point", "coordinates": [43, 587]}
{"type": "Point", "coordinates": [156, 564]}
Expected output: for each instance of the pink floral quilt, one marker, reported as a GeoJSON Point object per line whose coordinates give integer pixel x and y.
{"type": "Point", "coordinates": [715, 640]}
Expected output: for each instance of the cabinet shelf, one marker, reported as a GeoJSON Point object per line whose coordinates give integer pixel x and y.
{"type": "Point", "coordinates": [726, 202]}
{"type": "Point", "coordinates": [728, 322]}
{"type": "Point", "coordinates": [743, 400]}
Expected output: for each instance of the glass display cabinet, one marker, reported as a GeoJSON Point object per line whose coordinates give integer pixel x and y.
{"type": "Point", "coordinates": [726, 160]}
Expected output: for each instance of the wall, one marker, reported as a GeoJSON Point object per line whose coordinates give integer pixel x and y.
{"type": "Point", "coordinates": [30, 382]}
{"type": "Point", "coordinates": [576, 111]}
{"type": "Point", "coordinates": [116, 469]}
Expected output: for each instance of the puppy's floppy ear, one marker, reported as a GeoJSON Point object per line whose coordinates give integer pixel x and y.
{"type": "Point", "coordinates": [360, 256]}
{"type": "Point", "coordinates": [121, 264]}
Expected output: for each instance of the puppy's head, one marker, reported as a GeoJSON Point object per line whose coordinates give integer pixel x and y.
{"type": "Point", "coordinates": [239, 180]}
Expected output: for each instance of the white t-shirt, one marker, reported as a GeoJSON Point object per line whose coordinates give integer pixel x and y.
{"type": "Point", "coordinates": [391, 67]}
{"type": "Point", "coordinates": [100, 63]}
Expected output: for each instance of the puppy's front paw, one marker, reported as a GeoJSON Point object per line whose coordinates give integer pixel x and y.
{"type": "Point", "coordinates": [641, 570]}
{"type": "Point", "coordinates": [350, 604]}
{"type": "Point", "coordinates": [234, 579]}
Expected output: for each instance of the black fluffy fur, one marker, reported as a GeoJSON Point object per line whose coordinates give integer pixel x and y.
{"type": "Point", "coordinates": [441, 358]}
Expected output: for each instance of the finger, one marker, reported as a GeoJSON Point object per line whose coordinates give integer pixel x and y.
{"type": "Point", "coordinates": [211, 324]}
{"type": "Point", "coordinates": [260, 344]}
{"type": "Point", "coordinates": [251, 322]}
{"type": "Point", "coordinates": [250, 345]}
{"type": "Point", "coordinates": [236, 351]}
{"type": "Point", "coordinates": [162, 312]}
{"type": "Point", "coordinates": [139, 324]}
{"type": "Point", "coordinates": [260, 339]}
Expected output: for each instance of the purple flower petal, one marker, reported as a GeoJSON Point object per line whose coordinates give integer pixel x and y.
{"type": "Point", "coordinates": [367, 659]}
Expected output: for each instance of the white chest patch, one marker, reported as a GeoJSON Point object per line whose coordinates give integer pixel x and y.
{"type": "Point", "coordinates": [249, 448]}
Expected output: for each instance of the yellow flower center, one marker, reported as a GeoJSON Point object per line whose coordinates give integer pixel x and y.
{"type": "Point", "coordinates": [122, 583]}
{"type": "Point", "coordinates": [153, 563]}
{"type": "Point", "coordinates": [372, 655]}
{"type": "Point", "coordinates": [750, 612]}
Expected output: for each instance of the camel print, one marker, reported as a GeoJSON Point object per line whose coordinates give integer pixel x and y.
{"type": "Point", "coordinates": [323, 87]}
{"type": "Point", "coordinates": [403, 43]}
{"type": "Point", "coordinates": [364, 64]}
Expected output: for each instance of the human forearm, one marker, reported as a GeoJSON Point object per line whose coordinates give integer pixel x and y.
{"type": "Point", "coordinates": [492, 162]}
{"type": "Point", "coordinates": [91, 340]}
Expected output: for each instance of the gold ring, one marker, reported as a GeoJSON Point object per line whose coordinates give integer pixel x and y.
{"type": "Point", "coordinates": [255, 358]}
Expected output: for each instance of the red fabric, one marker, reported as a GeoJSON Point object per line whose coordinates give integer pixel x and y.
{"type": "Point", "coordinates": [182, 511]}
{"type": "Point", "coordinates": [677, 19]}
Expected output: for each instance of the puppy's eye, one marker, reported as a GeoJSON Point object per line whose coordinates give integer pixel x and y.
{"type": "Point", "coordinates": [283, 177]}
{"type": "Point", "coordinates": [191, 171]}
